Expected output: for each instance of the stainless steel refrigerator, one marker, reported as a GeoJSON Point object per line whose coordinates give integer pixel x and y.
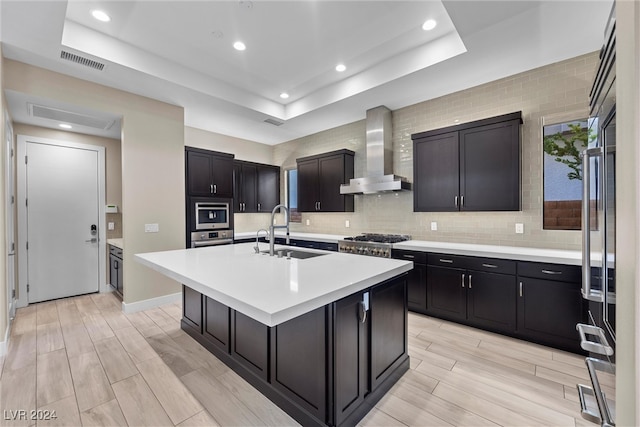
{"type": "Point", "coordinates": [598, 337]}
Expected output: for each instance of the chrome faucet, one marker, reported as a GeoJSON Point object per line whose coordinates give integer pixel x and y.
{"type": "Point", "coordinates": [272, 236]}
{"type": "Point", "coordinates": [256, 247]}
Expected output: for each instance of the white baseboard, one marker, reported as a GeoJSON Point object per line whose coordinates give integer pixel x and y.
{"type": "Point", "coordinates": [151, 303]}
{"type": "Point", "coordinates": [4, 345]}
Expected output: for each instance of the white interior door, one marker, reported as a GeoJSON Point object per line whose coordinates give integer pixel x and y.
{"type": "Point", "coordinates": [63, 206]}
{"type": "Point", "coordinates": [10, 215]}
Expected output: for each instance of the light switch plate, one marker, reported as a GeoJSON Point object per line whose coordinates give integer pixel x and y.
{"type": "Point", "coordinates": [519, 228]}
{"type": "Point", "coordinates": [308, 222]}
{"type": "Point", "coordinates": [347, 224]}
{"type": "Point", "coordinates": [151, 228]}
{"type": "Point", "coordinates": [111, 226]}
{"type": "Point", "coordinates": [434, 226]}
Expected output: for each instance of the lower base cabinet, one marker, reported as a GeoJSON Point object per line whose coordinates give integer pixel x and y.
{"type": "Point", "coordinates": [326, 367]}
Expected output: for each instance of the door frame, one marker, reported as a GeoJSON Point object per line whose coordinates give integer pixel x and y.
{"type": "Point", "coordinates": [22, 253]}
{"type": "Point", "coordinates": [10, 220]}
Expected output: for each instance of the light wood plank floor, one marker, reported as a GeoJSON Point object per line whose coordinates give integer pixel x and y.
{"type": "Point", "coordinates": [93, 365]}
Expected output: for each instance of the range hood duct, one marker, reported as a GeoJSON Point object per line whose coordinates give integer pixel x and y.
{"type": "Point", "coordinates": [379, 149]}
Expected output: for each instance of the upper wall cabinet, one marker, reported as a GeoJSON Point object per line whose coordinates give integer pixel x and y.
{"type": "Point", "coordinates": [256, 187]}
{"type": "Point", "coordinates": [208, 173]}
{"type": "Point", "coordinates": [469, 167]}
{"type": "Point", "coordinates": [319, 179]}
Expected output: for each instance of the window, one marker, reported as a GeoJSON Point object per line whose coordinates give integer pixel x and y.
{"type": "Point", "coordinates": [562, 145]}
{"type": "Point", "coordinates": [292, 195]}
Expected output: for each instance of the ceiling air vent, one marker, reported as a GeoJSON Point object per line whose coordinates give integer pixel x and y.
{"type": "Point", "coordinates": [274, 122]}
{"type": "Point", "coordinates": [68, 56]}
{"type": "Point", "coordinates": [43, 112]}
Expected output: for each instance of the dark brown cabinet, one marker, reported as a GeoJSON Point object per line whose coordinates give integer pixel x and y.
{"type": "Point", "coordinates": [469, 167]}
{"type": "Point", "coordinates": [256, 187]}
{"type": "Point", "coordinates": [116, 276]}
{"type": "Point", "coordinates": [416, 279]}
{"type": "Point", "coordinates": [477, 291]}
{"type": "Point", "coordinates": [208, 173]}
{"type": "Point", "coordinates": [550, 304]}
{"type": "Point", "coordinates": [319, 179]}
{"type": "Point", "coordinates": [326, 367]}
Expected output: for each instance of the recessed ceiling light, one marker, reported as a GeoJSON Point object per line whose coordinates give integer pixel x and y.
{"type": "Point", "coordinates": [340, 68]}
{"type": "Point", "coordinates": [284, 95]}
{"type": "Point", "coordinates": [429, 24]}
{"type": "Point", "coordinates": [100, 15]}
{"type": "Point", "coordinates": [239, 46]}
{"type": "Point", "coordinates": [64, 126]}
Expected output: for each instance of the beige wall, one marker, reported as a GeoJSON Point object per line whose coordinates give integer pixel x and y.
{"type": "Point", "coordinates": [542, 94]}
{"type": "Point", "coordinates": [628, 213]}
{"type": "Point", "coordinates": [152, 167]}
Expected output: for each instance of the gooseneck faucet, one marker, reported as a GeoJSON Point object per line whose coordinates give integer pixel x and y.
{"type": "Point", "coordinates": [272, 236]}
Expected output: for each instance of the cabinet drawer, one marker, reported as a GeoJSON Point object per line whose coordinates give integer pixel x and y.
{"type": "Point", "coordinates": [491, 265]}
{"type": "Point", "coordinates": [559, 272]}
{"type": "Point", "coordinates": [443, 260]}
{"type": "Point", "coordinates": [415, 256]}
{"type": "Point", "coordinates": [114, 250]}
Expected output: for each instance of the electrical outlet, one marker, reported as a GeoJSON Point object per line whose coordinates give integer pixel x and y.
{"type": "Point", "coordinates": [347, 224]}
{"type": "Point", "coordinates": [434, 226]}
{"type": "Point", "coordinates": [151, 228]}
{"type": "Point", "coordinates": [111, 226]}
{"type": "Point", "coordinates": [519, 228]}
{"type": "Point", "coordinates": [308, 222]}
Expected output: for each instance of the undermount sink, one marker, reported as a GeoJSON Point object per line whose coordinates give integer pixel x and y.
{"type": "Point", "coordinates": [295, 254]}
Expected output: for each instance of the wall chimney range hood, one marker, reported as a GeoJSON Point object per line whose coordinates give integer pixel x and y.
{"type": "Point", "coordinates": [379, 149]}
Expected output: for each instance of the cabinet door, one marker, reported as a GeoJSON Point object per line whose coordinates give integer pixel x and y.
{"type": "Point", "coordinates": [192, 307]}
{"type": "Point", "coordinates": [388, 328]}
{"type": "Point", "coordinates": [446, 292]}
{"type": "Point", "coordinates": [216, 323]}
{"type": "Point", "coordinates": [490, 167]}
{"type": "Point", "coordinates": [249, 188]}
{"type": "Point", "coordinates": [308, 186]}
{"type": "Point", "coordinates": [120, 280]}
{"type": "Point", "coordinates": [199, 179]}
{"type": "Point", "coordinates": [351, 362]}
{"type": "Point", "coordinates": [268, 188]}
{"type": "Point", "coordinates": [250, 344]}
{"type": "Point", "coordinates": [549, 310]}
{"type": "Point", "coordinates": [417, 288]}
{"type": "Point", "coordinates": [237, 187]}
{"type": "Point", "coordinates": [331, 174]}
{"type": "Point", "coordinates": [222, 176]}
{"type": "Point", "coordinates": [491, 301]}
{"type": "Point", "coordinates": [113, 271]}
{"type": "Point", "coordinates": [299, 362]}
{"type": "Point", "coordinates": [436, 173]}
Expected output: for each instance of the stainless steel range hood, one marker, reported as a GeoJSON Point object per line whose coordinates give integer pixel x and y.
{"type": "Point", "coordinates": [379, 149]}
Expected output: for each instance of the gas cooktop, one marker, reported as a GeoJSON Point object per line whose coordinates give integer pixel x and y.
{"type": "Point", "coordinates": [371, 244]}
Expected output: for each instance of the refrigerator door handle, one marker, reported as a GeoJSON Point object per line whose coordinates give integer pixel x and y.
{"type": "Point", "coordinates": [586, 222]}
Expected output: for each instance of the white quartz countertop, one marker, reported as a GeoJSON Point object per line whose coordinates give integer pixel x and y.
{"type": "Point", "coordinates": [553, 256]}
{"type": "Point", "coordinates": [268, 289]}
{"type": "Point", "coordinates": [116, 242]}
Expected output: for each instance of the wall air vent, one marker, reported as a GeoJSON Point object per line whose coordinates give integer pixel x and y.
{"type": "Point", "coordinates": [68, 56]}
{"type": "Point", "coordinates": [274, 122]}
{"type": "Point", "coordinates": [43, 112]}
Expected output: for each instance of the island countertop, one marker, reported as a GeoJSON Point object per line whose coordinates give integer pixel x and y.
{"type": "Point", "coordinates": [269, 289]}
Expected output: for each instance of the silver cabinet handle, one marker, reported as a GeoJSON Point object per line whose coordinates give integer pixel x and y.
{"type": "Point", "coordinates": [554, 273]}
{"type": "Point", "coordinates": [489, 265]}
{"type": "Point", "coordinates": [319, 206]}
{"type": "Point", "coordinates": [363, 312]}
{"type": "Point", "coordinates": [470, 276]}
{"type": "Point", "coordinates": [463, 280]}
{"type": "Point", "coordinates": [408, 256]}
{"type": "Point", "coordinates": [258, 206]}
{"type": "Point", "coordinates": [520, 289]}
{"type": "Point", "coordinates": [244, 207]}
{"type": "Point", "coordinates": [461, 201]}
{"type": "Point", "coordinates": [456, 201]}
{"type": "Point", "coordinates": [215, 189]}
{"type": "Point", "coordinates": [448, 261]}
{"type": "Point", "coordinates": [211, 188]}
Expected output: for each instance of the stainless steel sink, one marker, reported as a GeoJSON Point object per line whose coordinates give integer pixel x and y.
{"type": "Point", "coordinates": [295, 254]}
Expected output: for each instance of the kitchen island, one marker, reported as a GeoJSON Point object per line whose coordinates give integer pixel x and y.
{"type": "Point", "coordinates": [323, 337]}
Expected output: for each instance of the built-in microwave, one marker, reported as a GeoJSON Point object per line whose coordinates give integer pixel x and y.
{"type": "Point", "coordinates": [211, 215]}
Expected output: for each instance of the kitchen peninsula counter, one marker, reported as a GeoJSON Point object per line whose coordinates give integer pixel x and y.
{"type": "Point", "coordinates": [324, 337]}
